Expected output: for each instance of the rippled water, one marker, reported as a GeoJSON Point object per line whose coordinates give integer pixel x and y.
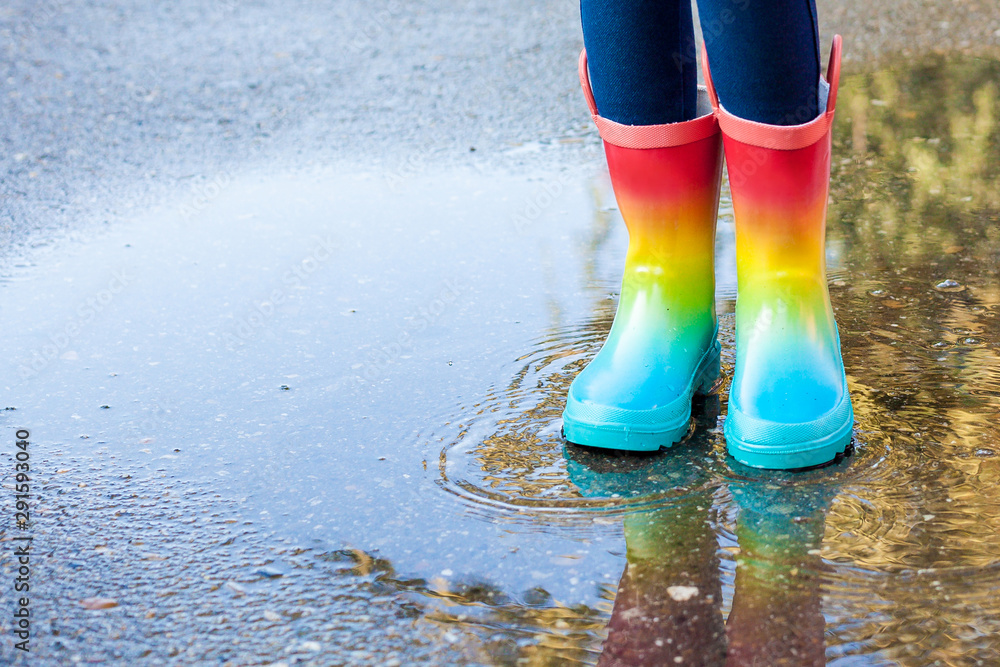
{"type": "Point", "coordinates": [370, 372]}
{"type": "Point", "coordinates": [889, 556]}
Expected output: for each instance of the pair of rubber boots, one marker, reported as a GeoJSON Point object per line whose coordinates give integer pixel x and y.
{"type": "Point", "coordinates": [788, 403]}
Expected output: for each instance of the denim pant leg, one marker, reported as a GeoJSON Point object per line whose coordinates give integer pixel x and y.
{"type": "Point", "coordinates": [764, 56]}
{"type": "Point", "coordinates": [639, 69]}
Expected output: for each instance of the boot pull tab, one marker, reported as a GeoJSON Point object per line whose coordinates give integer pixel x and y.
{"type": "Point", "coordinates": [663, 135]}
{"type": "Point", "coordinates": [712, 96]}
{"type": "Point", "coordinates": [585, 83]}
{"type": "Point", "coordinates": [833, 72]}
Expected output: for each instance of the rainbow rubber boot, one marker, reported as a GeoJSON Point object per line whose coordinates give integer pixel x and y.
{"type": "Point", "coordinates": [788, 404]}
{"type": "Point", "coordinates": [663, 345]}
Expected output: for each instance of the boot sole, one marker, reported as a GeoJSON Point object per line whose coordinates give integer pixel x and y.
{"type": "Point", "coordinates": [640, 430]}
{"type": "Point", "coordinates": [760, 443]}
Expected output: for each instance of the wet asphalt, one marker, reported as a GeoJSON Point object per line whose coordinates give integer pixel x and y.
{"type": "Point", "coordinates": [110, 110]}
{"type": "Point", "coordinates": [107, 107]}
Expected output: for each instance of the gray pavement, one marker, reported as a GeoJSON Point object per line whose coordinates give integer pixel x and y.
{"type": "Point", "coordinates": [107, 107]}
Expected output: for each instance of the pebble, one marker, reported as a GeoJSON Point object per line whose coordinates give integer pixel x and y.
{"type": "Point", "coordinates": [949, 285]}
{"type": "Point", "coordinates": [682, 593]}
{"type": "Point", "coordinates": [270, 572]}
{"type": "Point", "coordinates": [94, 604]}
{"type": "Point", "coordinates": [236, 588]}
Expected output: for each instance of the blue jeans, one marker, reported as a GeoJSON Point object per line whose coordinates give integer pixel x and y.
{"type": "Point", "coordinates": [764, 57]}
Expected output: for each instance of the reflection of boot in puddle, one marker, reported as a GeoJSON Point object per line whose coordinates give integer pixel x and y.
{"type": "Point", "coordinates": [599, 473]}
{"type": "Point", "coordinates": [776, 617]}
{"type": "Point", "coordinates": [669, 597]}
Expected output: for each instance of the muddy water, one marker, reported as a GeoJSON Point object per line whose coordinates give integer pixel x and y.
{"type": "Point", "coordinates": [374, 366]}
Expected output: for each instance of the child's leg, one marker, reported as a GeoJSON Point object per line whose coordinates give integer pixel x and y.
{"type": "Point", "coordinates": [632, 48]}
{"type": "Point", "coordinates": [764, 56]}
{"type": "Point", "coordinates": [789, 405]}
{"type": "Point", "coordinates": [665, 165]}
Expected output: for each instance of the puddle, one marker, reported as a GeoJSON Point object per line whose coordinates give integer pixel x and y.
{"type": "Point", "coordinates": [890, 555]}
{"type": "Point", "coordinates": [373, 369]}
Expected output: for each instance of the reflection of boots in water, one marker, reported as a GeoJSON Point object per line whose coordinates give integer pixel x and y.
{"type": "Point", "coordinates": [669, 598]}
{"type": "Point", "coordinates": [668, 604]}
{"type": "Point", "coordinates": [776, 617]}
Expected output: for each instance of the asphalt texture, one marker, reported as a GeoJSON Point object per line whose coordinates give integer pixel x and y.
{"type": "Point", "coordinates": [111, 109]}
{"type": "Point", "coordinates": [107, 108]}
